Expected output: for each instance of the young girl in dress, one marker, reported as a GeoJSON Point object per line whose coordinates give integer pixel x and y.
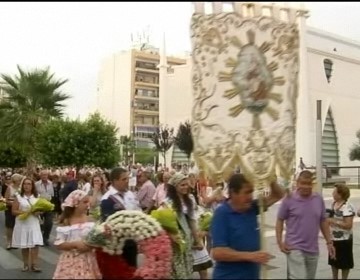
{"type": "Point", "coordinates": [77, 260]}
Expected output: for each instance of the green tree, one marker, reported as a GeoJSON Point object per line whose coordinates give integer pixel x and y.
{"type": "Point", "coordinates": [184, 139]}
{"type": "Point", "coordinates": [31, 98]}
{"type": "Point", "coordinates": [355, 149]}
{"type": "Point", "coordinates": [163, 139]}
{"type": "Point", "coordinates": [145, 155]}
{"type": "Point", "coordinates": [72, 142]}
{"type": "Point", "coordinates": [11, 156]}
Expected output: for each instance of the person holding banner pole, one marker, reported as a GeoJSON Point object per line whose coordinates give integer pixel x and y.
{"type": "Point", "coordinates": [235, 231]}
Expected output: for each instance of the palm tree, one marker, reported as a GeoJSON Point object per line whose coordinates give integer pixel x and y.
{"type": "Point", "coordinates": [31, 98]}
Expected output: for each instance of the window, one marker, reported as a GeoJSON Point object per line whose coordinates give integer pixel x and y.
{"type": "Point", "coordinates": [330, 148]}
{"type": "Point", "coordinates": [328, 65]}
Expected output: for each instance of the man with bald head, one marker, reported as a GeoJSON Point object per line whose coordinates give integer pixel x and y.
{"type": "Point", "coordinates": [45, 190]}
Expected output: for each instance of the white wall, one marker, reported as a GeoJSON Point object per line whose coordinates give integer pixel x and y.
{"type": "Point", "coordinates": [114, 90]}
{"type": "Point", "coordinates": [178, 99]}
{"type": "Point", "coordinates": [342, 94]}
{"type": "Point", "coordinates": [122, 100]}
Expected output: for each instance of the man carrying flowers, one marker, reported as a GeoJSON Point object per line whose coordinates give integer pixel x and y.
{"type": "Point", "coordinates": [118, 198]}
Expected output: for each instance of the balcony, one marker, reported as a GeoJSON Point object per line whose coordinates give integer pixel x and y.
{"type": "Point", "coordinates": [146, 112]}
{"type": "Point", "coordinates": [150, 129]}
{"type": "Point", "coordinates": [145, 122]}
{"type": "Point", "coordinates": [144, 70]}
{"type": "Point", "coordinates": [142, 84]}
{"type": "Point", "coordinates": [146, 94]}
{"type": "Point", "coordinates": [146, 81]}
{"type": "Point", "coordinates": [146, 108]}
{"type": "Point", "coordinates": [146, 67]}
{"type": "Point", "coordinates": [141, 126]}
{"type": "Point", "coordinates": [143, 97]}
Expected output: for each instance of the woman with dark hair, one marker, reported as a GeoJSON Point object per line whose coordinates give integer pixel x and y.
{"type": "Point", "coordinates": [235, 231]}
{"type": "Point", "coordinates": [179, 200]}
{"type": "Point", "coordinates": [107, 181]}
{"type": "Point", "coordinates": [27, 233]}
{"type": "Point", "coordinates": [194, 187]}
{"type": "Point", "coordinates": [341, 224]}
{"type": "Point", "coordinates": [98, 189]}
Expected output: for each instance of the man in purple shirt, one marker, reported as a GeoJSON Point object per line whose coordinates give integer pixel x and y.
{"type": "Point", "coordinates": [305, 215]}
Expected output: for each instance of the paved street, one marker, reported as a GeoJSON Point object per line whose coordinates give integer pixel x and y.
{"type": "Point", "coordinates": [11, 263]}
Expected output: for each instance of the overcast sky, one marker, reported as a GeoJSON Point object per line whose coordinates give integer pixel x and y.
{"type": "Point", "coordinates": [72, 38]}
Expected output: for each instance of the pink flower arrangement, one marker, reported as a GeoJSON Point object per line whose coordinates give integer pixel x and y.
{"type": "Point", "coordinates": [158, 254]}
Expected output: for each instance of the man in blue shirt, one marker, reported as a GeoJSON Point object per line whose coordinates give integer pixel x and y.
{"type": "Point", "coordinates": [236, 234]}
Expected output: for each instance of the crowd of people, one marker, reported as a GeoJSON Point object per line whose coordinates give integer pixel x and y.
{"type": "Point", "coordinates": [232, 245]}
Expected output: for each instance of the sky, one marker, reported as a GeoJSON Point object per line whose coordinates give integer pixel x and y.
{"type": "Point", "coordinates": [73, 38]}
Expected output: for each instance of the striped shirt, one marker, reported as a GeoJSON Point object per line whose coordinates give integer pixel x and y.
{"type": "Point", "coordinates": [145, 194]}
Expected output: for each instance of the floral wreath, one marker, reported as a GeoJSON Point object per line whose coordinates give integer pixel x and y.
{"type": "Point", "coordinates": [146, 231]}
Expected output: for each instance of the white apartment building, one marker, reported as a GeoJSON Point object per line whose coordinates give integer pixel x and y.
{"type": "Point", "coordinates": [128, 91]}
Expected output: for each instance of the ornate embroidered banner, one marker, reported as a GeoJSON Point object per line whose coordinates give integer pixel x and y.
{"type": "Point", "coordinates": [245, 85]}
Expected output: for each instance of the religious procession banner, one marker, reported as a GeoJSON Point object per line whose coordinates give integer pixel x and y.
{"type": "Point", "coordinates": [245, 86]}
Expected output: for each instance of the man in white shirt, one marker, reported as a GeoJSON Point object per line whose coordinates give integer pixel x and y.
{"type": "Point", "coordinates": [118, 198]}
{"type": "Point", "coordinates": [45, 189]}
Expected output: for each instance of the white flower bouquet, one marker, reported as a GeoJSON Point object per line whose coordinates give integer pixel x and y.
{"type": "Point", "coordinates": [152, 241]}
{"type": "Point", "coordinates": [122, 225]}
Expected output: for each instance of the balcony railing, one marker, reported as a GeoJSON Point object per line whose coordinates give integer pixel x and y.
{"type": "Point", "coordinates": [146, 112]}
{"type": "Point", "coordinates": [147, 79]}
{"type": "Point", "coordinates": [146, 107]}
{"type": "Point", "coordinates": [146, 65]}
{"type": "Point", "coordinates": [146, 97]}
{"type": "Point", "coordinates": [145, 93]}
{"type": "Point", "coordinates": [144, 84]}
